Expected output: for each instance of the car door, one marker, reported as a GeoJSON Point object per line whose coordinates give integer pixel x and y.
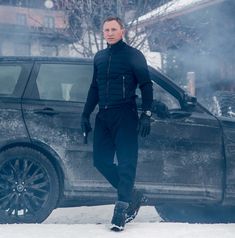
{"type": "Point", "coordinates": [183, 154]}
{"type": "Point", "coordinates": [52, 107]}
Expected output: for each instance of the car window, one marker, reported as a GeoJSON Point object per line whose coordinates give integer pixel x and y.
{"type": "Point", "coordinates": [160, 94]}
{"type": "Point", "coordinates": [66, 82]}
{"type": "Point", "coordinates": [9, 75]}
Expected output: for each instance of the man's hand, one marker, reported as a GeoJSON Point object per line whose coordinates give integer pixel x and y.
{"type": "Point", "coordinates": [144, 125]}
{"type": "Point", "coordinates": [86, 127]}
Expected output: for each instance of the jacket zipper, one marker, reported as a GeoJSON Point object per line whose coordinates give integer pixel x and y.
{"type": "Point", "coordinates": [107, 85]}
{"type": "Point", "coordinates": [123, 87]}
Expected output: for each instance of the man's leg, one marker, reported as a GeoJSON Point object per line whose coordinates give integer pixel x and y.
{"type": "Point", "coordinates": [126, 142]}
{"type": "Point", "coordinates": [104, 150]}
{"type": "Point", "coordinates": [124, 130]}
{"type": "Point", "coordinates": [127, 153]}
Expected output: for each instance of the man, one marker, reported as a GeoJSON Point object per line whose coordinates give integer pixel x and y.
{"type": "Point", "coordinates": [118, 70]}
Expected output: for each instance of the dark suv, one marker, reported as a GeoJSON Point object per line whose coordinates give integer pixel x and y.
{"type": "Point", "coordinates": [44, 163]}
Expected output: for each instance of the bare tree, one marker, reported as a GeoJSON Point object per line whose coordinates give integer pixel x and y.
{"type": "Point", "coordinates": [86, 18]}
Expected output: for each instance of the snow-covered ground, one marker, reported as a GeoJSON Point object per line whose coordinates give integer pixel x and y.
{"type": "Point", "coordinates": [93, 222]}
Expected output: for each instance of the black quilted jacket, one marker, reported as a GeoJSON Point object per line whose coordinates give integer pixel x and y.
{"type": "Point", "coordinates": [118, 70]}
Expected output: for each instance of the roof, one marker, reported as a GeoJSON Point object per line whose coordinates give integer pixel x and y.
{"type": "Point", "coordinates": [174, 8]}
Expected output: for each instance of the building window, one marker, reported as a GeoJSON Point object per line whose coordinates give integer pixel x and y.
{"type": "Point", "coordinates": [21, 19]}
{"type": "Point", "coordinates": [49, 22]}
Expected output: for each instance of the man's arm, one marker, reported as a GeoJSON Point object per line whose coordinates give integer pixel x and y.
{"type": "Point", "coordinates": [91, 102]}
{"type": "Point", "coordinates": [140, 70]}
{"type": "Point", "coordinates": [92, 96]}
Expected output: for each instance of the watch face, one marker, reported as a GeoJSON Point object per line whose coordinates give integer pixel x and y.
{"type": "Point", "coordinates": [148, 113]}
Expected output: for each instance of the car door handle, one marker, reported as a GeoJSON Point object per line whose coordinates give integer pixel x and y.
{"type": "Point", "coordinates": [47, 110]}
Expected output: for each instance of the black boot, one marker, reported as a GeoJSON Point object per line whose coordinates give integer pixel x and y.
{"type": "Point", "coordinates": [137, 199]}
{"type": "Point", "coordinates": [119, 216]}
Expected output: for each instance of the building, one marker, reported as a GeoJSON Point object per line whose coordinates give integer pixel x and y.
{"type": "Point", "coordinates": [30, 28]}
{"type": "Point", "coordinates": [196, 38]}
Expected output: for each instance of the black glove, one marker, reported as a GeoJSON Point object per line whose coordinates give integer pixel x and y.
{"type": "Point", "coordinates": [144, 125]}
{"type": "Point", "coordinates": [86, 127]}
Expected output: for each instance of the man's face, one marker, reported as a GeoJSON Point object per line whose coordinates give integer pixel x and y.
{"type": "Point", "coordinates": [112, 32]}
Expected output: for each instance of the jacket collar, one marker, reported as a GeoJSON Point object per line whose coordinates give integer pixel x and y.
{"type": "Point", "coordinates": [116, 46]}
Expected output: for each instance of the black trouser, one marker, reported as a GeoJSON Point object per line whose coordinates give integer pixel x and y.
{"type": "Point", "coordinates": [116, 132]}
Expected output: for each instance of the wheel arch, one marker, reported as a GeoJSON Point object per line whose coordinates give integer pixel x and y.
{"type": "Point", "coordinates": [50, 153]}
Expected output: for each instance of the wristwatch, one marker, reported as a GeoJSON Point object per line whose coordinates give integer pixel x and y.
{"type": "Point", "coordinates": [148, 113]}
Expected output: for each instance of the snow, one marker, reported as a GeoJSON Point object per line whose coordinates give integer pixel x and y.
{"type": "Point", "coordinates": [170, 7]}
{"type": "Point", "coordinates": [93, 222]}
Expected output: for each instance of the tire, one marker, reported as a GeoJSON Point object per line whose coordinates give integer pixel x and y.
{"type": "Point", "coordinates": [195, 214]}
{"type": "Point", "coordinates": [29, 186]}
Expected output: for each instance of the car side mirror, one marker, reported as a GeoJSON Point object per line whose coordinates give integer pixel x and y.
{"type": "Point", "coordinates": [189, 102]}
